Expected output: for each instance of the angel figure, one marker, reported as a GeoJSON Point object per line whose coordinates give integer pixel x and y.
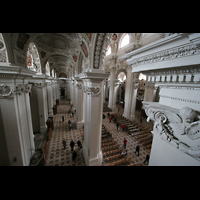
{"type": "Point", "coordinates": [184, 128]}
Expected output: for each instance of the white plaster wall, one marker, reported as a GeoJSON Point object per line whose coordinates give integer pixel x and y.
{"type": "Point", "coordinates": [34, 110]}
{"type": "Point", "coordinates": [179, 98]}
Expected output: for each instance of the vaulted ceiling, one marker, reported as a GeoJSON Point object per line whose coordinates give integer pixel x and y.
{"type": "Point", "coordinates": [61, 50]}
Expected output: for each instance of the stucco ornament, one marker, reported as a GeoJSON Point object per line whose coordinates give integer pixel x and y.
{"type": "Point", "coordinates": [181, 130]}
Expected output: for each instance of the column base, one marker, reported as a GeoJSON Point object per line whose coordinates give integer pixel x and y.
{"type": "Point", "coordinates": [94, 161]}
{"type": "Point", "coordinates": [43, 129]}
{"type": "Point", "coordinates": [79, 125]}
{"type": "Point", "coordinates": [131, 117]}
{"type": "Point", "coordinates": [124, 115]}
{"type": "Point", "coordinates": [50, 113]}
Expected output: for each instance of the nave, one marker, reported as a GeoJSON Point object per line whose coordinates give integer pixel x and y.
{"type": "Point", "coordinates": [57, 156]}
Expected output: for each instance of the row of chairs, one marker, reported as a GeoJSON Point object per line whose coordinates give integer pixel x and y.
{"type": "Point", "coordinates": [108, 153]}
{"type": "Point", "coordinates": [147, 142]}
{"type": "Point", "coordinates": [108, 143]}
{"type": "Point", "coordinates": [138, 131]}
{"type": "Point", "coordinates": [107, 140]}
{"type": "Point", "coordinates": [113, 157]}
{"type": "Point", "coordinates": [120, 162]}
{"type": "Point", "coordinates": [110, 147]}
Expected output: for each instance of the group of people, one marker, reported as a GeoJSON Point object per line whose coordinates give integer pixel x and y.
{"type": "Point", "coordinates": [72, 144]}
{"type": "Point", "coordinates": [123, 128]}
{"type": "Point", "coordinates": [137, 150]}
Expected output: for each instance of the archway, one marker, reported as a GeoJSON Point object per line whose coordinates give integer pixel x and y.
{"type": "Point", "coordinates": [33, 58]}
{"type": "Point", "coordinates": [3, 52]}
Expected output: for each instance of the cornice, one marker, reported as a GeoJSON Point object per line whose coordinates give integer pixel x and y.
{"type": "Point", "coordinates": [91, 75]}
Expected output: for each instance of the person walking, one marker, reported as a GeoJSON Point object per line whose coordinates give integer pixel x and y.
{"type": "Point", "coordinates": [63, 118]}
{"type": "Point", "coordinates": [137, 149]}
{"type": "Point", "coordinates": [79, 145]}
{"type": "Point", "coordinates": [123, 127]}
{"type": "Point", "coordinates": [117, 125]}
{"type": "Point", "coordinates": [110, 119]}
{"type": "Point", "coordinates": [72, 145]}
{"type": "Point", "coordinates": [141, 119]}
{"type": "Point", "coordinates": [64, 144]}
{"type": "Point", "coordinates": [125, 142]}
{"type": "Point", "coordinates": [147, 159]}
{"type": "Point", "coordinates": [74, 156]}
{"type": "Point", "coordinates": [70, 127]}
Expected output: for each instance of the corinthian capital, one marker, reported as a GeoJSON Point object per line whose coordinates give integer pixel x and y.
{"type": "Point", "coordinates": [93, 91]}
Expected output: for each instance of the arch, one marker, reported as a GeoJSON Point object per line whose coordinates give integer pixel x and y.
{"type": "Point", "coordinates": [33, 59]}
{"type": "Point", "coordinates": [108, 51]}
{"type": "Point", "coordinates": [47, 69]}
{"type": "Point", "coordinates": [3, 52]}
{"type": "Point", "coordinates": [121, 76]}
{"type": "Point", "coordinates": [62, 75]}
{"type": "Point", "coordinates": [125, 40]}
{"type": "Point", "coordinates": [52, 72]}
{"type": "Point", "coordinates": [119, 71]}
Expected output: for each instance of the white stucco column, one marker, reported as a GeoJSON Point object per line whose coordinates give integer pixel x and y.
{"type": "Point", "coordinates": [42, 105]}
{"type": "Point", "coordinates": [135, 86]}
{"type": "Point", "coordinates": [111, 91]}
{"type": "Point", "coordinates": [93, 117]}
{"type": "Point", "coordinates": [17, 143]}
{"type": "Point", "coordinates": [79, 104]}
{"type": "Point", "coordinates": [149, 91]}
{"type": "Point", "coordinates": [128, 92]}
{"type": "Point", "coordinates": [133, 101]}
{"type": "Point", "coordinates": [72, 91]}
{"type": "Point", "coordinates": [75, 95]}
{"type": "Point", "coordinates": [49, 98]}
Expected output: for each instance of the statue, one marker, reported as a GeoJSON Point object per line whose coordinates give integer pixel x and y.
{"type": "Point", "coordinates": [181, 130]}
{"type": "Point", "coordinates": [115, 47]}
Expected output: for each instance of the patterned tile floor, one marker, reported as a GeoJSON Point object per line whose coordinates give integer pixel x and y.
{"type": "Point", "coordinates": [57, 155]}
{"type": "Point", "coordinates": [60, 157]}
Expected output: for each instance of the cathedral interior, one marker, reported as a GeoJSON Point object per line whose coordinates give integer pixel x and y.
{"type": "Point", "coordinates": [112, 92]}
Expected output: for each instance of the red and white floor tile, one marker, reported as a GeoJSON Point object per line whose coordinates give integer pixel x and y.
{"type": "Point", "coordinates": [59, 157]}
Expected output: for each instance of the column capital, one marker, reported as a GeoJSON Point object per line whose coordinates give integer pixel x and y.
{"type": "Point", "coordinates": [92, 91]}
{"type": "Point", "coordinates": [11, 91]}
{"type": "Point", "coordinates": [94, 77]}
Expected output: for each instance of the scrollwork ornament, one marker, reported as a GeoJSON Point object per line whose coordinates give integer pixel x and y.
{"type": "Point", "coordinates": [93, 91]}
{"type": "Point", "coordinates": [27, 87]}
{"type": "Point", "coordinates": [181, 130]}
{"type": "Point", "coordinates": [5, 90]}
{"type": "Point", "coordinates": [79, 86]}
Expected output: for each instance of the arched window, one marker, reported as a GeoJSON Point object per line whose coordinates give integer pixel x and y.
{"type": "Point", "coordinates": [108, 52]}
{"type": "Point", "coordinates": [121, 77]}
{"type": "Point", "coordinates": [124, 40]}
{"type": "Point", "coordinates": [52, 73]}
{"type": "Point", "coordinates": [33, 59]}
{"type": "Point", "coordinates": [3, 52]}
{"type": "Point", "coordinates": [47, 69]}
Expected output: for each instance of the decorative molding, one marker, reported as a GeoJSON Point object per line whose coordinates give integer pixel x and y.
{"type": "Point", "coordinates": [79, 86]}
{"type": "Point", "coordinates": [97, 52]}
{"type": "Point", "coordinates": [40, 85]}
{"type": "Point", "coordinates": [181, 130]}
{"type": "Point", "coordinates": [165, 55]}
{"type": "Point", "coordinates": [93, 91]}
{"type": "Point", "coordinates": [180, 99]}
{"type": "Point", "coordinates": [5, 90]}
